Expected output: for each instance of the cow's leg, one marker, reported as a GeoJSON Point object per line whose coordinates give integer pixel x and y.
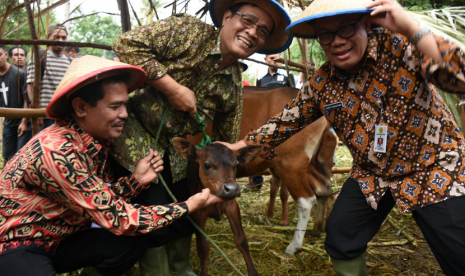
{"type": "Point", "coordinates": [319, 176]}
{"type": "Point", "coordinates": [274, 188]}
{"type": "Point", "coordinates": [203, 247]}
{"type": "Point", "coordinates": [232, 211]}
{"type": "Point", "coordinates": [284, 195]}
{"type": "Point", "coordinates": [304, 206]}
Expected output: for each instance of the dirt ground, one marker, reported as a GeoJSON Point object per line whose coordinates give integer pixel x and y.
{"type": "Point", "coordinates": [398, 249]}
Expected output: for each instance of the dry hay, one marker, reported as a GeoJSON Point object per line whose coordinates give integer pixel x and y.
{"type": "Point", "coordinates": [398, 249]}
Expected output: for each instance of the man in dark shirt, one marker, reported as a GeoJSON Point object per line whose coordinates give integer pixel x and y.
{"type": "Point", "coordinates": [16, 131]}
{"type": "Point", "coordinates": [275, 78]}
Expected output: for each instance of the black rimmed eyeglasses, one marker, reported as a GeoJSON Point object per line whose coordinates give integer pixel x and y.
{"type": "Point", "coordinates": [250, 22]}
{"type": "Point", "coordinates": [346, 31]}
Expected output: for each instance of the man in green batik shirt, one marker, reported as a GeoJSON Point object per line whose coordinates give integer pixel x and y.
{"type": "Point", "coordinates": [191, 67]}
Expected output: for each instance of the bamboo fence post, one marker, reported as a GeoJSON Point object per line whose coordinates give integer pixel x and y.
{"type": "Point", "coordinates": [125, 16]}
{"type": "Point", "coordinates": [37, 65]}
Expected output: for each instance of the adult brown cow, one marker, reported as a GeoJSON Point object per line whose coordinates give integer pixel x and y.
{"type": "Point", "coordinates": [303, 165]}
{"type": "Point", "coordinates": [214, 167]}
{"type": "Point", "coordinates": [304, 162]}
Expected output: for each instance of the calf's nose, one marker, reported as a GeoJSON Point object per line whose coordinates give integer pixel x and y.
{"type": "Point", "coordinates": [230, 190]}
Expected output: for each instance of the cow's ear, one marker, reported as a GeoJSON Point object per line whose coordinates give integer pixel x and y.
{"type": "Point", "coordinates": [248, 153]}
{"type": "Point", "coordinates": [183, 147]}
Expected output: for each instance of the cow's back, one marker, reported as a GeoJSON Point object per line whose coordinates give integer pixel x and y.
{"type": "Point", "coordinates": [261, 103]}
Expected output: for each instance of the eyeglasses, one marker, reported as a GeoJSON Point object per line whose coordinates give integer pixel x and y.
{"type": "Point", "coordinates": [249, 23]}
{"type": "Point", "coordinates": [346, 31]}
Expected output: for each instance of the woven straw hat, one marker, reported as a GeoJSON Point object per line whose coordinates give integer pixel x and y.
{"type": "Point", "coordinates": [303, 27]}
{"type": "Point", "coordinates": [86, 70]}
{"type": "Point", "coordinates": [279, 39]}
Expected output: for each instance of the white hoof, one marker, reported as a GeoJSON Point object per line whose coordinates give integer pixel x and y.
{"type": "Point", "coordinates": [292, 249]}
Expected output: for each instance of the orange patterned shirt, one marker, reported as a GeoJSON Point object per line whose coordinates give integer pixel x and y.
{"type": "Point", "coordinates": [58, 184]}
{"type": "Point", "coordinates": [423, 163]}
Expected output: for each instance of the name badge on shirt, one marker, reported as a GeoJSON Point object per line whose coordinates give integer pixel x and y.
{"type": "Point", "coordinates": [380, 138]}
{"type": "Point", "coordinates": [330, 107]}
{"type": "Point", "coordinates": [280, 78]}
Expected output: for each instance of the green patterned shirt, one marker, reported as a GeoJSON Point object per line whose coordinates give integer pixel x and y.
{"type": "Point", "coordinates": [188, 50]}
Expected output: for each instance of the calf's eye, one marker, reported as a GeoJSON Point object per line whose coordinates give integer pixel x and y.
{"type": "Point", "coordinates": [207, 166]}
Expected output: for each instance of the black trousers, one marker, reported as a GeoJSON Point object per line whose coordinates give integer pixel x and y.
{"type": "Point", "coordinates": [108, 253]}
{"type": "Point", "coordinates": [353, 223]}
{"type": "Point", "coordinates": [156, 195]}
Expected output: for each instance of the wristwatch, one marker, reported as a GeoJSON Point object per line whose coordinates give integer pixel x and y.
{"type": "Point", "coordinates": [424, 30]}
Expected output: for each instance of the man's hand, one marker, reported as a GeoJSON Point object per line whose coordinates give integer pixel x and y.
{"type": "Point", "coordinates": [395, 19]}
{"type": "Point", "coordinates": [183, 99]}
{"type": "Point", "coordinates": [180, 97]}
{"type": "Point", "coordinates": [22, 129]}
{"type": "Point", "coordinates": [236, 146]}
{"type": "Point", "coordinates": [202, 200]}
{"type": "Point", "coordinates": [148, 167]}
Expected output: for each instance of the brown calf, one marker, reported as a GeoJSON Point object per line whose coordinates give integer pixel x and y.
{"type": "Point", "coordinates": [214, 167]}
{"type": "Point", "coordinates": [304, 162]}
{"type": "Point", "coordinates": [303, 165]}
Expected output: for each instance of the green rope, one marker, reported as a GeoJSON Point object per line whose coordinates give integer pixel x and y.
{"type": "Point", "coordinates": [205, 142]}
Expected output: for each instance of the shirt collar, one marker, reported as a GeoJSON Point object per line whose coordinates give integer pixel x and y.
{"type": "Point", "coordinates": [216, 49]}
{"type": "Point", "coordinates": [93, 147]}
{"type": "Point", "coordinates": [371, 54]}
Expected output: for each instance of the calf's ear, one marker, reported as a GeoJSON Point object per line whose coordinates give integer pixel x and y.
{"type": "Point", "coordinates": [248, 153]}
{"type": "Point", "coordinates": [183, 147]}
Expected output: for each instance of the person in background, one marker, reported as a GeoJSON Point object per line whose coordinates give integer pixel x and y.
{"type": "Point", "coordinates": [275, 78]}
{"type": "Point", "coordinates": [18, 56]}
{"type": "Point", "coordinates": [115, 57]}
{"type": "Point", "coordinates": [243, 66]}
{"type": "Point", "coordinates": [53, 67]}
{"type": "Point", "coordinates": [73, 52]}
{"type": "Point", "coordinates": [16, 131]}
{"type": "Point", "coordinates": [377, 89]}
{"type": "Point", "coordinates": [190, 69]}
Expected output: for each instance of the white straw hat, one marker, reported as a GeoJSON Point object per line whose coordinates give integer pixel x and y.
{"type": "Point", "coordinates": [303, 27]}
{"type": "Point", "coordinates": [279, 39]}
{"type": "Point", "coordinates": [86, 70]}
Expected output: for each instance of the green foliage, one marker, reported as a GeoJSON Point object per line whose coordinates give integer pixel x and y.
{"type": "Point", "coordinates": [16, 18]}
{"type": "Point", "coordinates": [146, 14]}
{"type": "Point", "coordinates": [94, 29]}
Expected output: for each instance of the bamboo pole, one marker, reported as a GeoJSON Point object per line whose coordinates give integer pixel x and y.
{"type": "Point", "coordinates": [54, 43]}
{"type": "Point", "coordinates": [125, 16]}
{"type": "Point", "coordinates": [37, 64]}
{"type": "Point", "coordinates": [22, 112]}
{"type": "Point", "coordinates": [296, 66]}
{"type": "Point", "coordinates": [341, 169]}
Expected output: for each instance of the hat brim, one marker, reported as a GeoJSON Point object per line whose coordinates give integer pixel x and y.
{"type": "Point", "coordinates": [279, 39]}
{"type": "Point", "coordinates": [304, 29]}
{"type": "Point", "coordinates": [58, 108]}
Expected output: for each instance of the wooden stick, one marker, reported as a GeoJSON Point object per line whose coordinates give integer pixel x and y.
{"type": "Point", "coordinates": [37, 64]}
{"type": "Point", "coordinates": [22, 112]}
{"type": "Point", "coordinates": [409, 237]}
{"type": "Point", "coordinates": [54, 43]}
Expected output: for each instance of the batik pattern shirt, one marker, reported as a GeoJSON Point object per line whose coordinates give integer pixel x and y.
{"type": "Point", "coordinates": [57, 185]}
{"type": "Point", "coordinates": [188, 50]}
{"type": "Point", "coordinates": [423, 163]}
